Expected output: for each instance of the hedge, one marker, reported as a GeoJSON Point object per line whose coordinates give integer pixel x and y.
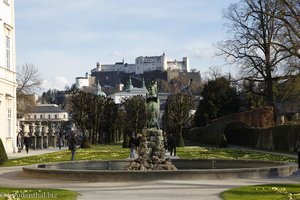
{"type": "Point", "coordinates": [278, 138]}
{"type": "Point", "coordinates": [3, 155]}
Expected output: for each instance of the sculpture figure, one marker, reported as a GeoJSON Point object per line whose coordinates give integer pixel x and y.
{"type": "Point", "coordinates": [152, 107]}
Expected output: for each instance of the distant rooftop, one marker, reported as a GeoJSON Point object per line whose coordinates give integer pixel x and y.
{"type": "Point", "coordinates": [46, 108]}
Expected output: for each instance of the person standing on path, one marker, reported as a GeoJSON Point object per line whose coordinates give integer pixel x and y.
{"type": "Point", "coordinates": [298, 150]}
{"type": "Point", "coordinates": [172, 145]}
{"type": "Point", "coordinates": [27, 143]}
{"type": "Point", "coordinates": [132, 145]}
{"type": "Point", "coordinates": [72, 144]}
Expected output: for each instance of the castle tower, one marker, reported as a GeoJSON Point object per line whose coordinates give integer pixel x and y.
{"type": "Point", "coordinates": [164, 62]}
{"type": "Point", "coordinates": [185, 64]}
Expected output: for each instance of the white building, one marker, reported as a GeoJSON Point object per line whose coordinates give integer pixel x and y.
{"type": "Point", "coordinates": [129, 92]}
{"type": "Point", "coordinates": [8, 84]}
{"type": "Point", "coordinates": [82, 81]}
{"type": "Point", "coordinates": [145, 64]}
{"type": "Point", "coordinates": [46, 112]}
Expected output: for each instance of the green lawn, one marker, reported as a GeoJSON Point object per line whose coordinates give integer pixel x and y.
{"type": "Point", "coordinates": [35, 194]}
{"type": "Point", "coordinates": [227, 153]}
{"type": "Point", "coordinates": [116, 152]}
{"type": "Point", "coordinates": [264, 192]}
{"type": "Point", "coordinates": [101, 152]}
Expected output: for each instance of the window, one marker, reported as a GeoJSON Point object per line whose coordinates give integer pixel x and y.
{"type": "Point", "coordinates": [28, 116]}
{"type": "Point", "coordinates": [9, 114]}
{"type": "Point", "coordinates": [55, 116]}
{"type": "Point", "coordinates": [34, 116]}
{"type": "Point", "coordinates": [9, 125]}
{"type": "Point", "coordinates": [49, 116]}
{"type": "Point", "coordinates": [7, 52]}
{"type": "Point", "coordinates": [41, 116]}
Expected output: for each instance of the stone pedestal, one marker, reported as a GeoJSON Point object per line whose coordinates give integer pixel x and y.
{"type": "Point", "coordinates": [33, 142]}
{"type": "Point", "coordinates": [45, 130]}
{"type": "Point", "coordinates": [33, 137]}
{"type": "Point", "coordinates": [39, 137]}
{"type": "Point", "coordinates": [39, 142]}
{"type": "Point", "coordinates": [45, 142]}
{"type": "Point", "coordinates": [51, 136]}
{"type": "Point", "coordinates": [153, 143]}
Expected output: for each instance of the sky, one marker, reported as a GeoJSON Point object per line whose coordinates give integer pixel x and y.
{"type": "Point", "coordinates": [65, 39]}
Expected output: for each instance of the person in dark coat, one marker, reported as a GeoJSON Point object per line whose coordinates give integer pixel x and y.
{"type": "Point", "coordinates": [172, 144]}
{"type": "Point", "coordinates": [60, 140]}
{"type": "Point", "coordinates": [132, 145]}
{"type": "Point", "coordinates": [27, 143]}
{"type": "Point", "coordinates": [298, 150]}
{"type": "Point", "coordinates": [138, 144]}
{"type": "Point", "coordinates": [72, 144]}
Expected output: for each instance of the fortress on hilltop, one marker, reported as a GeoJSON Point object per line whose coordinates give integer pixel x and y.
{"type": "Point", "coordinates": [145, 64]}
{"type": "Point", "coordinates": [145, 67]}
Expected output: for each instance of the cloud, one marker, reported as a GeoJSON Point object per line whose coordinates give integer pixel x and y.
{"type": "Point", "coordinates": [57, 82]}
{"type": "Point", "coordinates": [72, 36]}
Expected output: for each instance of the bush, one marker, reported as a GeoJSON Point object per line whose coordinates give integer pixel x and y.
{"type": "Point", "coordinates": [85, 143]}
{"type": "Point", "coordinates": [278, 138]}
{"type": "Point", "coordinates": [3, 155]}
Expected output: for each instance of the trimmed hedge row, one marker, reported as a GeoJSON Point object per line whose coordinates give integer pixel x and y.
{"type": "Point", "coordinates": [278, 138]}
{"type": "Point", "coordinates": [3, 155]}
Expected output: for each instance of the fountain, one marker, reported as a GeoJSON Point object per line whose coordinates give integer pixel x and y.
{"type": "Point", "coordinates": [152, 164]}
{"type": "Point", "coordinates": [152, 153]}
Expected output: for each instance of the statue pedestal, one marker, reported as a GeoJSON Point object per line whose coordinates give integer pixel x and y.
{"type": "Point", "coordinates": [153, 143]}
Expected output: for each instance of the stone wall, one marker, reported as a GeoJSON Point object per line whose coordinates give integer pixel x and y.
{"type": "Point", "coordinates": [257, 118]}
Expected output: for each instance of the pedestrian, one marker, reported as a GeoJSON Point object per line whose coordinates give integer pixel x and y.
{"type": "Point", "coordinates": [298, 150]}
{"type": "Point", "coordinates": [27, 142]}
{"type": "Point", "coordinates": [138, 144]}
{"type": "Point", "coordinates": [59, 140]}
{"type": "Point", "coordinates": [172, 145]}
{"type": "Point", "coordinates": [132, 145]}
{"type": "Point", "coordinates": [72, 144]}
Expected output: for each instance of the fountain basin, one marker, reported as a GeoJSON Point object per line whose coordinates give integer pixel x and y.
{"type": "Point", "coordinates": [187, 170]}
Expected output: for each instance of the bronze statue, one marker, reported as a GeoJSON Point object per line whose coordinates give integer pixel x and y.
{"type": "Point", "coordinates": [152, 107]}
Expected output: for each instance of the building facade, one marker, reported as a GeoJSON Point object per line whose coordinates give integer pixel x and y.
{"type": "Point", "coordinates": [46, 112]}
{"type": "Point", "coordinates": [129, 92]}
{"type": "Point", "coordinates": [145, 64]}
{"type": "Point", "coordinates": [8, 84]}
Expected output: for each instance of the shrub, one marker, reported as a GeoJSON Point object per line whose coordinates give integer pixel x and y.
{"type": "Point", "coordinates": [85, 143]}
{"type": "Point", "coordinates": [3, 155]}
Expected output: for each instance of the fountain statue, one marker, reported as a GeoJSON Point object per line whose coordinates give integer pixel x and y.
{"type": "Point", "coordinates": [151, 155]}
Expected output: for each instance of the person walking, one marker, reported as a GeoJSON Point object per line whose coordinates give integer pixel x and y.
{"type": "Point", "coordinates": [27, 142]}
{"type": "Point", "coordinates": [138, 144]}
{"type": "Point", "coordinates": [132, 145]}
{"type": "Point", "coordinates": [60, 140]}
{"type": "Point", "coordinates": [172, 145]}
{"type": "Point", "coordinates": [72, 144]}
{"type": "Point", "coordinates": [298, 150]}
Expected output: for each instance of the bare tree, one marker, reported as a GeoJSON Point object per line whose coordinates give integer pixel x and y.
{"type": "Point", "coordinates": [213, 73]}
{"type": "Point", "coordinates": [288, 16]}
{"type": "Point", "coordinates": [253, 46]}
{"type": "Point", "coordinates": [28, 79]}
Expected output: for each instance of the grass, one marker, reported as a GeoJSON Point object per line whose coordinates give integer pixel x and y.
{"type": "Point", "coordinates": [116, 152]}
{"type": "Point", "coordinates": [103, 152]}
{"type": "Point", "coordinates": [264, 192]}
{"type": "Point", "coordinates": [227, 153]}
{"type": "Point", "coordinates": [35, 194]}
